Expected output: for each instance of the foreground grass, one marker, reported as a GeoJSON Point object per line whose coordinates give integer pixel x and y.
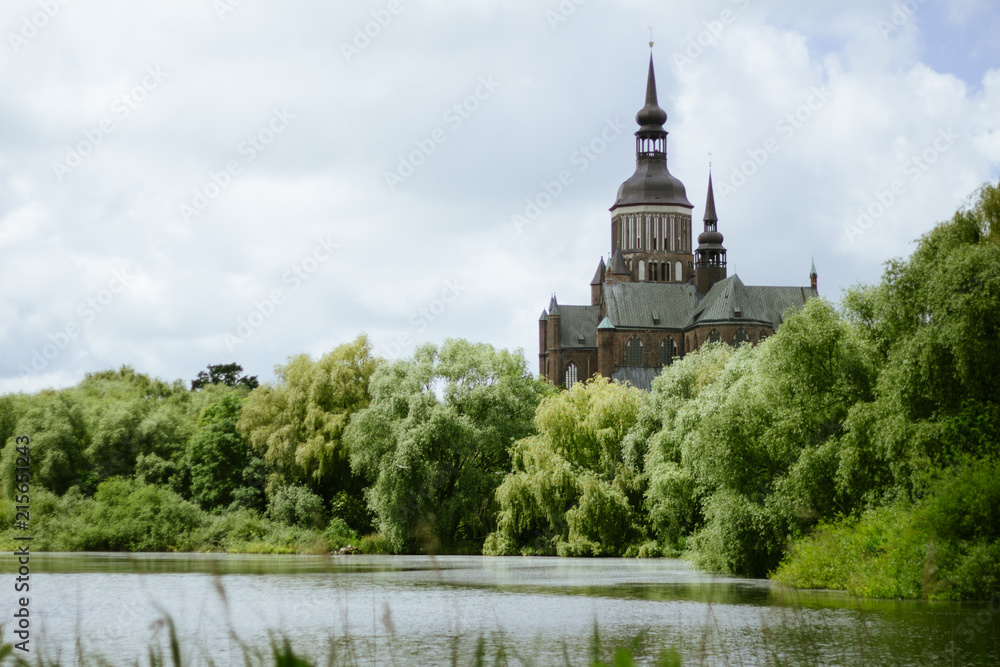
{"type": "Point", "coordinates": [281, 653]}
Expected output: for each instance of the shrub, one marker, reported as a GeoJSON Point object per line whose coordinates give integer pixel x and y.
{"type": "Point", "coordinates": [296, 506]}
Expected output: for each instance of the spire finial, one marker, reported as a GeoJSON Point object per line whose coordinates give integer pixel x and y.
{"type": "Point", "coordinates": [710, 164]}
{"type": "Point", "coordinates": [650, 36]}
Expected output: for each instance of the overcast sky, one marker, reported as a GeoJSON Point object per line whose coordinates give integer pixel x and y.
{"type": "Point", "coordinates": [195, 182]}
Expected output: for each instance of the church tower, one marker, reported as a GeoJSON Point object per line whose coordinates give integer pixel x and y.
{"type": "Point", "coordinates": [711, 255]}
{"type": "Point", "coordinates": [651, 219]}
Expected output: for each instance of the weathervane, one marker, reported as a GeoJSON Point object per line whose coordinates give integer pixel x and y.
{"type": "Point", "coordinates": [650, 36]}
{"type": "Point", "coordinates": [710, 160]}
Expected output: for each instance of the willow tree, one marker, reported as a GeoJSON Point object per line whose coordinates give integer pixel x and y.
{"type": "Point", "coordinates": [296, 423]}
{"type": "Point", "coordinates": [571, 491]}
{"type": "Point", "coordinates": [435, 441]}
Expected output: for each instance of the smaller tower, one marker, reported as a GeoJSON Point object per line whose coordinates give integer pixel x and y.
{"type": "Point", "coordinates": [710, 262]}
{"type": "Point", "coordinates": [618, 272]}
{"type": "Point", "coordinates": [605, 348]}
{"type": "Point", "coordinates": [543, 347]}
{"type": "Point", "coordinates": [554, 336]}
{"type": "Point", "coordinates": [813, 277]}
{"type": "Point", "coordinates": [596, 285]}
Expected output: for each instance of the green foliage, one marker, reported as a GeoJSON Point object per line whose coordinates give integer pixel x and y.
{"type": "Point", "coordinates": [124, 515]}
{"type": "Point", "coordinates": [216, 454]}
{"type": "Point", "coordinates": [945, 547]}
{"type": "Point", "coordinates": [55, 423]}
{"type": "Point", "coordinates": [743, 443]}
{"type": "Point", "coordinates": [570, 489]}
{"type": "Point", "coordinates": [435, 441]}
{"type": "Point", "coordinates": [230, 375]}
{"type": "Point", "coordinates": [296, 506]}
{"type": "Point", "coordinates": [296, 425]}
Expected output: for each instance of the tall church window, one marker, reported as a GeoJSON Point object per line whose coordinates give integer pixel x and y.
{"type": "Point", "coordinates": [571, 375]}
{"type": "Point", "coordinates": [634, 353]}
{"type": "Point", "coordinates": [652, 272]}
{"type": "Point", "coordinates": [740, 337]}
{"type": "Point", "coordinates": [678, 272]}
{"type": "Point", "coordinates": [642, 270]}
{"type": "Point", "coordinates": [714, 336]}
{"type": "Point", "coordinates": [668, 351]}
{"type": "Point", "coordinates": [762, 336]}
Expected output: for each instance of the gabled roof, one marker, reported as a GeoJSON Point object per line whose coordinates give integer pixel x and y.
{"type": "Point", "coordinates": [729, 300]}
{"type": "Point", "coordinates": [775, 301]}
{"type": "Point", "coordinates": [638, 305]}
{"type": "Point", "coordinates": [579, 326]}
{"type": "Point", "coordinates": [756, 304]}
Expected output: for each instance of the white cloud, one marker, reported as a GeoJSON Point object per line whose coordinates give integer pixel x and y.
{"type": "Point", "coordinates": [325, 174]}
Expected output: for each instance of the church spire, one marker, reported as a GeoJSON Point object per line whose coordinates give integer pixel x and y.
{"type": "Point", "coordinates": [710, 257]}
{"type": "Point", "coordinates": [651, 117]}
{"type": "Point", "coordinates": [652, 183]}
{"type": "Point", "coordinates": [710, 216]}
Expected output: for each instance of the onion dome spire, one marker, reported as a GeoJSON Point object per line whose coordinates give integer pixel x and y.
{"type": "Point", "coordinates": [652, 183]}
{"type": "Point", "coordinates": [651, 117]}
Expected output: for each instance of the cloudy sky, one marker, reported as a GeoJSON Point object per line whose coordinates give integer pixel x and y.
{"type": "Point", "coordinates": [194, 182]}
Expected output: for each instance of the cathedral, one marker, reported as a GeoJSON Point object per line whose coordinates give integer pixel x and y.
{"type": "Point", "coordinates": [658, 297]}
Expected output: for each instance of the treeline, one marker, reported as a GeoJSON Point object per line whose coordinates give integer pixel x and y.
{"type": "Point", "coordinates": [855, 449]}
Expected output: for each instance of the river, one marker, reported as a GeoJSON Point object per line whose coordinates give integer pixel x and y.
{"type": "Point", "coordinates": [405, 610]}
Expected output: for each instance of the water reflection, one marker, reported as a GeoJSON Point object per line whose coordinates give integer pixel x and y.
{"type": "Point", "coordinates": [415, 609]}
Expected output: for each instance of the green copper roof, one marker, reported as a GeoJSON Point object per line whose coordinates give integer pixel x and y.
{"type": "Point", "coordinates": [605, 324]}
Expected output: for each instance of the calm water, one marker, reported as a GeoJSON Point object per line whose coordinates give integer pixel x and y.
{"type": "Point", "coordinates": [418, 610]}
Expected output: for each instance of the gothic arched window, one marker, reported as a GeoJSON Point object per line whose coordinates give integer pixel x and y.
{"type": "Point", "coordinates": [740, 337]}
{"type": "Point", "coordinates": [571, 375]}
{"type": "Point", "coordinates": [762, 336]}
{"type": "Point", "coordinates": [634, 353]}
{"type": "Point", "coordinates": [668, 351]}
{"type": "Point", "coordinates": [714, 336]}
{"type": "Point", "coordinates": [678, 272]}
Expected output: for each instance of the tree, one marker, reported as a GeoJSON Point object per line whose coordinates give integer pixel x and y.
{"type": "Point", "coordinates": [230, 375]}
{"type": "Point", "coordinates": [435, 441]}
{"type": "Point", "coordinates": [55, 422]}
{"type": "Point", "coordinates": [569, 492]}
{"type": "Point", "coordinates": [129, 414]}
{"type": "Point", "coordinates": [217, 455]}
{"type": "Point", "coordinates": [297, 423]}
